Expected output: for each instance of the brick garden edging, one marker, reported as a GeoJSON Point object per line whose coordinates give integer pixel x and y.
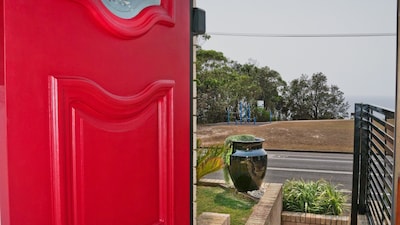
{"type": "Point", "coordinates": [297, 218]}
{"type": "Point", "coordinates": [210, 218]}
{"type": "Point", "coordinates": [268, 210]}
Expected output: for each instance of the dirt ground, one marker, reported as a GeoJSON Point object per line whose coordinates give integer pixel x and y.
{"type": "Point", "coordinates": [314, 135]}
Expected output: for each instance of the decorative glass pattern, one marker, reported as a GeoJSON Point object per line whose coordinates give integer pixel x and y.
{"type": "Point", "coordinates": [127, 9]}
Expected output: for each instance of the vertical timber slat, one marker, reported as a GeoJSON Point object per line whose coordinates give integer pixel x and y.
{"type": "Point", "coordinates": [396, 175]}
{"type": "Point", "coordinates": [356, 163]}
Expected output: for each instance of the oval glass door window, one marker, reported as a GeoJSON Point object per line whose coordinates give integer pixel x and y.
{"type": "Point", "coordinates": [127, 9]}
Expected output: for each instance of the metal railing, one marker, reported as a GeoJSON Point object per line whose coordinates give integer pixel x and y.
{"type": "Point", "coordinates": [373, 165]}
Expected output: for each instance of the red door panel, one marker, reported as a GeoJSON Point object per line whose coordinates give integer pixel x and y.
{"type": "Point", "coordinates": [107, 148]}
{"type": "Point", "coordinates": [96, 122]}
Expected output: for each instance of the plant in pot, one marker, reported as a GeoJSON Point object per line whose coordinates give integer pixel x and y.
{"type": "Point", "coordinates": [246, 161]}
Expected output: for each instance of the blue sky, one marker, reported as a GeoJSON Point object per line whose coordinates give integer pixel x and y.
{"type": "Point", "coordinates": [360, 66]}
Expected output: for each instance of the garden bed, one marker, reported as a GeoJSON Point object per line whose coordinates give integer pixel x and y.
{"type": "Point", "coordinates": [297, 218]}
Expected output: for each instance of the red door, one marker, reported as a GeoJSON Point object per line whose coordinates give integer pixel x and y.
{"type": "Point", "coordinates": [95, 112]}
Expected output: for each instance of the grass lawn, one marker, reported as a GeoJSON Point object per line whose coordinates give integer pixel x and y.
{"type": "Point", "coordinates": [220, 200]}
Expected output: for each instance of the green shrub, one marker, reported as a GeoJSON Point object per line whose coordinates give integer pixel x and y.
{"type": "Point", "coordinates": [239, 137]}
{"type": "Point", "coordinates": [262, 115]}
{"type": "Point", "coordinates": [319, 197]}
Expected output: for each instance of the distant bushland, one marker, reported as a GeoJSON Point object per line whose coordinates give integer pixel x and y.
{"type": "Point", "coordinates": [227, 89]}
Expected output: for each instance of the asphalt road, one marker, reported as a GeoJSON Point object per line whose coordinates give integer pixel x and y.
{"type": "Point", "coordinates": [283, 165]}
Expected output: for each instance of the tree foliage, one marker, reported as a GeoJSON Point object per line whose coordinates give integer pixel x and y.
{"type": "Point", "coordinates": [222, 84]}
{"type": "Point", "coordinates": [313, 98]}
{"type": "Point", "coordinates": [212, 74]}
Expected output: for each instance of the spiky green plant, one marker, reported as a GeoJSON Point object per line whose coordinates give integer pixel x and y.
{"type": "Point", "coordinates": [209, 159]}
{"type": "Point", "coordinates": [320, 197]}
{"type": "Point", "coordinates": [332, 200]}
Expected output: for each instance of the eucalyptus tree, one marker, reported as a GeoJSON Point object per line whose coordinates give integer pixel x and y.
{"type": "Point", "coordinates": [299, 98]}
{"type": "Point", "coordinates": [267, 85]}
{"type": "Point", "coordinates": [319, 95]}
{"type": "Point", "coordinates": [212, 69]}
{"type": "Point", "coordinates": [337, 104]}
{"type": "Point", "coordinates": [313, 98]}
{"type": "Point", "coordinates": [221, 86]}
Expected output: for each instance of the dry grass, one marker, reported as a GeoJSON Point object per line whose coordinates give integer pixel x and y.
{"type": "Point", "coordinates": [315, 135]}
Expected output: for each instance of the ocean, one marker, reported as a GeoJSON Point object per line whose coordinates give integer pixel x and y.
{"type": "Point", "coordinates": [387, 102]}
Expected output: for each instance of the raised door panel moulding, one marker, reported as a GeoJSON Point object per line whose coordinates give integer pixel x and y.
{"type": "Point", "coordinates": [99, 154]}
{"type": "Point", "coordinates": [129, 18]}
